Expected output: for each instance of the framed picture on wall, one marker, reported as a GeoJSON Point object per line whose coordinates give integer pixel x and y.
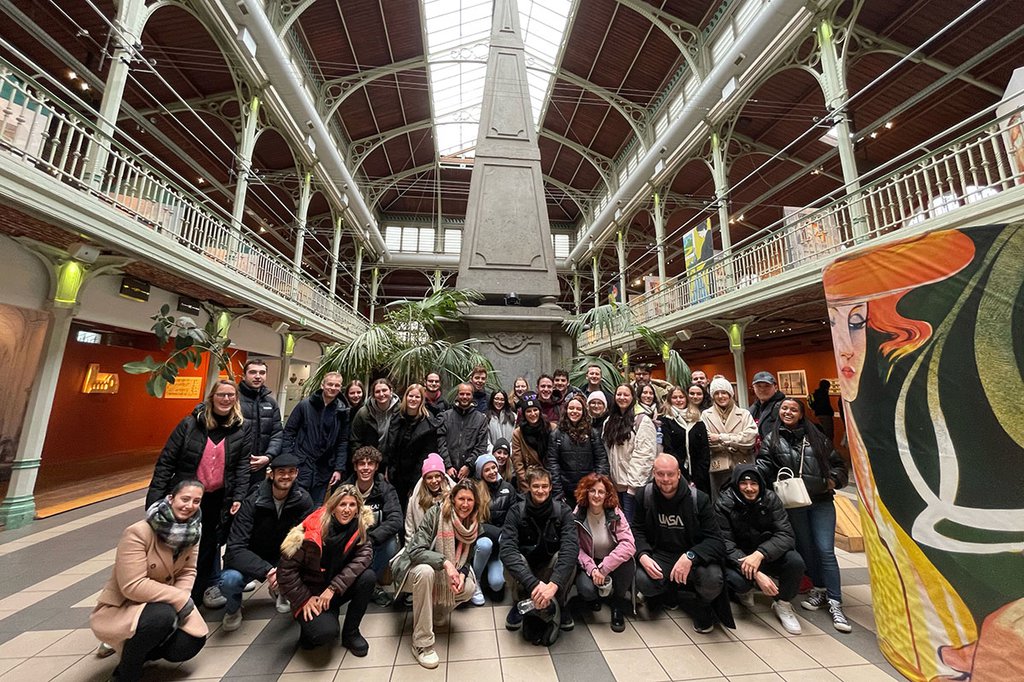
{"type": "Point", "coordinates": [833, 387]}
{"type": "Point", "coordinates": [793, 383]}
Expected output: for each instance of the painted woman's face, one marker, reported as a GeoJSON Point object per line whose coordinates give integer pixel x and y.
{"type": "Point", "coordinates": [849, 339]}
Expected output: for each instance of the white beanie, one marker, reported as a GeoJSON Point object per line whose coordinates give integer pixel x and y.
{"type": "Point", "coordinates": [598, 395]}
{"type": "Point", "coordinates": [721, 384]}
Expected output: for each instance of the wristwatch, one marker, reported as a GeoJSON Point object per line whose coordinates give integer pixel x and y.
{"type": "Point", "coordinates": [691, 556]}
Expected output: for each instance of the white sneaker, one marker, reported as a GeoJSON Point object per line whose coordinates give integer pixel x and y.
{"type": "Point", "coordinates": [213, 599]}
{"type": "Point", "coordinates": [251, 585]}
{"type": "Point", "coordinates": [747, 599]}
{"type": "Point", "coordinates": [282, 604]}
{"type": "Point", "coordinates": [784, 612]}
{"type": "Point", "coordinates": [232, 621]}
{"type": "Point", "coordinates": [478, 597]}
{"type": "Point", "coordinates": [426, 656]}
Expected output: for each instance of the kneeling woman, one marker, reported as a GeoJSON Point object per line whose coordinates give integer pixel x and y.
{"type": "Point", "coordinates": [606, 547]}
{"type": "Point", "coordinates": [325, 562]}
{"type": "Point", "coordinates": [435, 566]}
{"type": "Point", "coordinates": [146, 609]}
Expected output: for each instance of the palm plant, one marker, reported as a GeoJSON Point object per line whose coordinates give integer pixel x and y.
{"type": "Point", "coordinates": [408, 344]}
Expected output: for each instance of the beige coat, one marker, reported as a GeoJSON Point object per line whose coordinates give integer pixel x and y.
{"type": "Point", "coordinates": [145, 571]}
{"type": "Point", "coordinates": [737, 433]}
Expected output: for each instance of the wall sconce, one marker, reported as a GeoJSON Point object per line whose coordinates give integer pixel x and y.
{"type": "Point", "coordinates": [99, 382]}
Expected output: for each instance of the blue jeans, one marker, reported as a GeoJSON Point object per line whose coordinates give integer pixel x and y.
{"type": "Point", "coordinates": [383, 553]}
{"type": "Point", "coordinates": [815, 530]}
{"type": "Point", "coordinates": [486, 565]}
{"type": "Point", "coordinates": [231, 584]}
{"type": "Point", "coordinates": [628, 505]}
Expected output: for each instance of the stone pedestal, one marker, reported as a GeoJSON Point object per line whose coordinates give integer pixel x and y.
{"type": "Point", "coordinates": [519, 341]}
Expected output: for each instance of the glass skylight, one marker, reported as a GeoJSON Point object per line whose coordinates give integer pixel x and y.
{"type": "Point", "coordinates": [458, 33]}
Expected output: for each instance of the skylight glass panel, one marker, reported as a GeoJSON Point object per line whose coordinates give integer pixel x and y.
{"type": "Point", "coordinates": [458, 33]}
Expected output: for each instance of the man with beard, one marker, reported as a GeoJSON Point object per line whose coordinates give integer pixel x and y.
{"type": "Point", "coordinates": [259, 527]}
{"type": "Point", "coordinates": [317, 434]}
{"type": "Point", "coordinates": [462, 434]}
{"type": "Point", "coordinates": [765, 409]}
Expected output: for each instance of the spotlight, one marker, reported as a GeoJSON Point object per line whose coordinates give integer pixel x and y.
{"type": "Point", "coordinates": [512, 299]}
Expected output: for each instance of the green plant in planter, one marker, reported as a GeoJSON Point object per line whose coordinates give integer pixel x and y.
{"type": "Point", "coordinates": [190, 342]}
{"type": "Point", "coordinates": [407, 344]}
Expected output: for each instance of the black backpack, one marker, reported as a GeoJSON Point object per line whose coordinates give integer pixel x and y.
{"type": "Point", "coordinates": [541, 626]}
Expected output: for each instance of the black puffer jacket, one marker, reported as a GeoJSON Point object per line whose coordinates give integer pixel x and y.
{"type": "Point", "coordinates": [527, 546]}
{"type": "Point", "coordinates": [784, 450]}
{"type": "Point", "coordinates": [409, 441]}
{"type": "Point", "coordinates": [761, 525]}
{"type": "Point", "coordinates": [503, 496]}
{"type": "Point", "coordinates": [364, 426]}
{"type": "Point", "coordinates": [254, 542]}
{"type": "Point", "coordinates": [179, 460]}
{"type": "Point", "coordinates": [382, 501]}
{"type": "Point", "coordinates": [676, 442]}
{"type": "Point", "coordinates": [462, 436]}
{"type": "Point", "coordinates": [568, 461]}
{"type": "Point", "coordinates": [263, 411]}
{"type": "Point", "coordinates": [315, 439]}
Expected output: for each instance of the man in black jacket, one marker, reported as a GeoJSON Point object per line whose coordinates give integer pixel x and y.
{"type": "Point", "coordinates": [462, 434]}
{"type": "Point", "coordinates": [765, 409]}
{"type": "Point", "coordinates": [539, 548]}
{"type": "Point", "coordinates": [679, 545]}
{"type": "Point", "coordinates": [260, 408]}
{"type": "Point", "coordinates": [317, 433]}
{"type": "Point", "coordinates": [379, 497]}
{"type": "Point", "coordinates": [254, 542]}
{"type": "Point", "coordinates": [760, 544]}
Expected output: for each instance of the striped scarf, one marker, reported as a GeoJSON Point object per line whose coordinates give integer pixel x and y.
{"type": "Point", "coordinates": [453, 540]}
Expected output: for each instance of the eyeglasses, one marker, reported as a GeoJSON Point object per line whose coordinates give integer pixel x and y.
{"type": "Point", "coordinates": [224, 396]}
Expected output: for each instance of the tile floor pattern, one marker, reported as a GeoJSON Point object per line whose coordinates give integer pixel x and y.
{"type": "Point", "coordinates": [54, 569]}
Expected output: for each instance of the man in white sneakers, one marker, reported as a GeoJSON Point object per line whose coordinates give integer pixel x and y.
{"type": "Point", "coordinates": [760, 545]}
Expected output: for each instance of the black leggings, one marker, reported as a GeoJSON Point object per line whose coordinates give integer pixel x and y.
{"type": "Point", "coordinates": [156, 636]}
{"type": "Point", "coordinates": [208, 558]}
{"type": "Point", "coordinates": [324, 628]}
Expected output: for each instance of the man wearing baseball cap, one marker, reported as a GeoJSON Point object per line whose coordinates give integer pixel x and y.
{"type": "Point", "coordinates": [765, 409]}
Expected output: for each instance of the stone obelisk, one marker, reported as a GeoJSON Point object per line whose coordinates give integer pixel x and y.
{"type": "Point", "coordinates": [506, 241]}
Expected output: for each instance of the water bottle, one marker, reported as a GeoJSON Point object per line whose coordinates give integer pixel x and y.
{"type": "Point", "coordinates": [525, 606]}
{"type": "Point", "coordinates": [659, 438]}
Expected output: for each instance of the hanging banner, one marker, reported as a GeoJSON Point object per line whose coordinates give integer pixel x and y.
{"type": "Point", "coordinates": [698, 252]}
{"type": "Point", "coordinates": [1013, 127]}
{"type": "Point", "coordinates": [807, 238]}
{"type": "Point", "coordinates": [929, 342]}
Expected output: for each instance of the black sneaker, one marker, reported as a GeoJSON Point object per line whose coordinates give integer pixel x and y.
{"type": "Point", "coordinates": [618, 620]}
{"type": "Point", "coordinates": [514, 619]}
{"type": "Point", "coordinates": [567, 623]}
{"type": "Point", "coordinates": [704, 623]}
{"type": "Point", "coordinates": [356, 644]}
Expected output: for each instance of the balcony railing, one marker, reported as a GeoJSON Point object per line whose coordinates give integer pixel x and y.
{"type": "Point", "coordinates": [972, 167]}
{"type": "Point", "coordinates": [38, 130]}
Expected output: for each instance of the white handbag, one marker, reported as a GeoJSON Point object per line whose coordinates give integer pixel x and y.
{"type": "Point", "coordinates": [791, 490]}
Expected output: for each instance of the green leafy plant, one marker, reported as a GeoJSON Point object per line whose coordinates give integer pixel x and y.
{"type": "Point", "coordinates": [190, 342]}
{"type": "Point", "coordinates": [408, 343]}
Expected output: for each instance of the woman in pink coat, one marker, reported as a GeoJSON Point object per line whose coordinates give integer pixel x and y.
{"type": "Point", "coordinates": [606, 547]}
{"type": "Point", "coordinates": [145, 610]}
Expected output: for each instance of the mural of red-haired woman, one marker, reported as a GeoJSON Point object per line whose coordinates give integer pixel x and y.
{"type": "Point", "coordinates": [919, 327]}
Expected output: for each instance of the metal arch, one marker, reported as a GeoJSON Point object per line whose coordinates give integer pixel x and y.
{"type": "Point", "coordinates": [335, 91]}
{"type": "Point", "coordinates": [675, 29]}
{"type": "Point", "coordinates": [358, 150]}
{"type": "Point", "coordinates": [749, 146]}
{"type": "Point", "coordinates": [286, 12]}
{"type": "Point", "coordinates": [380, 186]}
{"type": "Point", "coordinates": [577, 197]}
{"type": "Point", "coordinates": [634, 114]}
{"type": "Point", "coordinates": [602, 164]}
{"type": "Point", "coordinates": [213, 105]}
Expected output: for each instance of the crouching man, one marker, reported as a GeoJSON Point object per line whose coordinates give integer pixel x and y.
{"type": "Point", "coordinates": [679, 546]}
{"type": "Point", "coordinates": [760, 544]}
{"type": "Point", "coordinates": [254, 543]}
{"type": "Point", "coordinates": [539, 548]}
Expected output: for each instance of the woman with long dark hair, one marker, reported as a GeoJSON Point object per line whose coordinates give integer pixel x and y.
{"type": "Point", "coordinates": [631, 442]}
{"type": "Point", "coordinates": [354, 396]}
{"type": "Point", "coordinates": [371, 423]}
{"type": "Point", "coordinates": [606, 547]}
{"type": "Point", "coordinates": [798, 444]}
{"type": "Point", "coordinates": [146, 610]}
{"type": "Point", "coordinates": [575, 449]}
{"type": "Point", "coordinates": [325, 562]}
{"type": "Point", "coordinates": [436, 565]}
{"type": "Point", "coordinates": [685, 436]}
{"type": "Point", "coordinates": [412, 435]}
{"type": "Point", "coordinates": [213, 446]}
{"type": "Point", "coordinates": [502, 418]}
{"type": "Point", "coordinates": [529, 440]}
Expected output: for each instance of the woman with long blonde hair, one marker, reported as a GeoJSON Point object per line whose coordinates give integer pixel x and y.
{"type": "Point", "coordinates": [211, 445]}
{"type": "Point", "coordinates": [325, 562]}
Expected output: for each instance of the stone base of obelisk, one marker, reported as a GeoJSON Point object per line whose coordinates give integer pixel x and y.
{"type": "Point", "coordinates": [519, 341]}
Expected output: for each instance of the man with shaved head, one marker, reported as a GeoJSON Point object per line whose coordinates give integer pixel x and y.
{"type": "Point", "coordinates": [680, 547]}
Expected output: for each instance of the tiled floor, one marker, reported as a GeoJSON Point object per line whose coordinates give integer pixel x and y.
{"type": "Point", "coordinates": [54, 569]}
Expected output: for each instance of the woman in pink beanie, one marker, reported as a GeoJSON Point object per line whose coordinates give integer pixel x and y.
{"type": "Point", "coordinates": [428, 491]}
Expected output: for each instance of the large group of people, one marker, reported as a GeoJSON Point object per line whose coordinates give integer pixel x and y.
{"type": "Point", "coordinates": [629, 494]}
